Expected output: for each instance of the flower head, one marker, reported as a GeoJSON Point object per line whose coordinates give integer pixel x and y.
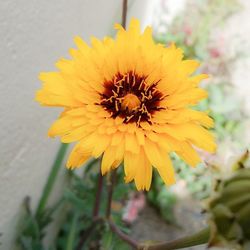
{"type": "Point", "coordinates": [128, 99]}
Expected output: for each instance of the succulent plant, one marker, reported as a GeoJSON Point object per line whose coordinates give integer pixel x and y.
{"type": "Point", "coordinates": [229, 209]}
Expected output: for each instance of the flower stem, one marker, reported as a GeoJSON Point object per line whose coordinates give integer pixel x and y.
{"type": "Point", "coordinates": [51, 180]}
{"type": "Point", "coordinates": [72, 233]}
{"type": "Point", "coordinates": [122, 235]}
{"type": "Point", "coordinates": [198, 238]}
{"type": "Point", "coordinates": [87, 232]}
{"type": "Point", "coordinates": [98, 193]}
{"type": "Point", "coordinates": [111, 183]}
{"type": "Point", "coordinates": [124, 13]}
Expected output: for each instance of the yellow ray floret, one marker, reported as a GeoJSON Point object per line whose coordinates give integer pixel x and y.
{"type": "Point", "coordinates": [128, 100]}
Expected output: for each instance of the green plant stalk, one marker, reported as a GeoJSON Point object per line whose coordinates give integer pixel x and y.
{"type": "Point", "coordinates": [51, 180]}
{"type": "Point", "coordinates": [198, 238]}
{"type": "Point", "coordinates": [72, 233]}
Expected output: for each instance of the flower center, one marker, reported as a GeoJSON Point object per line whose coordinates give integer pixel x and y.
{"type": "Point", "coordinates": [131, 98]}
{"type": "Point", "coordinates": [130, 102]}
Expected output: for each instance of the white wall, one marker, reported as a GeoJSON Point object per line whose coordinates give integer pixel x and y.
{"type": "Point", "coordinates": [33, 35]}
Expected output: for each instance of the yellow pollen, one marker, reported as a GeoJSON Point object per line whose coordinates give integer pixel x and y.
{"type": "Point", "coordinates": [131, 102]}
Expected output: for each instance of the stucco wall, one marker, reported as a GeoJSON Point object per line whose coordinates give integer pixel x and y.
{"type": "Point", "coordinates": [34, 34]}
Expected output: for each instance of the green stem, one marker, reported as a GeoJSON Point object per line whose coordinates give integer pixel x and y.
{"type": "Point", "coordinates": [51, 180]}
{"type": "Point", "coordinates": [198, 238]}
{"type": "Point", "coordinates": [72, 233]}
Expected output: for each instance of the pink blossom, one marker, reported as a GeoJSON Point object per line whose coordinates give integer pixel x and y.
{"type": "Point", "coordinates": [133, 208]}
{"type": "Point", "coordinates": [214, 52]}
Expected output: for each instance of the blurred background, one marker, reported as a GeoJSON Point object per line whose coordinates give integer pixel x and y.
{"type": "Point", "coordinates": [35, 34]}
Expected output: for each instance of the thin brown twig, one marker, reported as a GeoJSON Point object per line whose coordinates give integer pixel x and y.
{"type": "Point", "coordinates": [122, 235]}
{"type": "Point", "coordinates": [87, 232]}
{"type": "Point", "coordinates": [110, 192]}
{"type": "Point", "coordinates": [98, 193]}
{"type": "Point", "coordinates": [124, 13]}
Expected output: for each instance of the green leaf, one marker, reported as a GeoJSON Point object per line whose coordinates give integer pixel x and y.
{"type": "Point", "coordinates": [74, 200]}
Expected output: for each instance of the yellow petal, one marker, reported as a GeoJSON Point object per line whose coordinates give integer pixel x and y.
{"type": "Point", "coordinates": [198, 136]}
{"type": "Point", "coordinates": [55, 91]}
{"type": "Point", "coordinates": [112, 158]}
{"type": "Point", "coordinates": [101, 145]}
{"type": "Point", "coordinates": [117, 138]}
{"type": "Point", "coordinates": [76, 158]}
{"type": "Point", "coordinates": [143, 175]}
{"type": "Point", "coordinates": [83, 47]}
{"type": "Point", "coordinates": [187, 67]}
{"type": "Point", "coordinates": [107, 160]}
{"type": "Point", "coordinates": [140, 136]}
{"type": "Point", "coordinates": [167, 172]}
{"type": "Point", "coordinates": [189, 155]}
{"type": "Point", "coordinates": [160, 160]}
{"type": "Point", "coordinates": [131, 143]}
{"type": "Point", "coordinates": [74, 135]}
{"type": "Point", "coordinates": [130, 164]}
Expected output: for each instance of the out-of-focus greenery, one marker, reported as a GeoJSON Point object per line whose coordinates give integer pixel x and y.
{"type": "Point", "coordinates": [228, 207]}
{"type": "Point", "coordinates": [193, 27]}
{"type": "Point", "coordinates": [193, 31]}
{"type": "Point", "coordinates": [75, 210]}
{"type": "Point", "coordinates": [161, 198]}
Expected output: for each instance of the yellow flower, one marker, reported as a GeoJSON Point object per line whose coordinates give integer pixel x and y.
{"type": "Point", "coordinates": [128, 99]}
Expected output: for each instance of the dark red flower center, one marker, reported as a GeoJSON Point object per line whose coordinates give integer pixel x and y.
{"type": "Point", "coordinates": [129, 97]}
